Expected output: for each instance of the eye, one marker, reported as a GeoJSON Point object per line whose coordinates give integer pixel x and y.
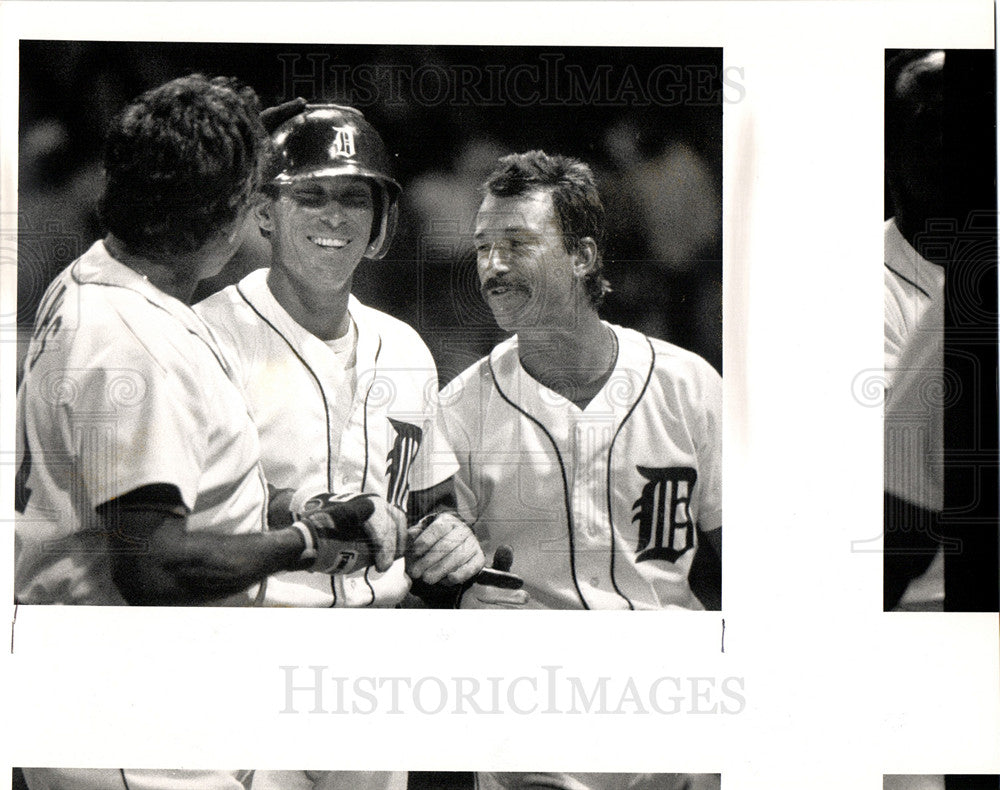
{"type": "Point", "coordinates": [359, 198]}
{"type": "Point", "coordinates": [309, 197]}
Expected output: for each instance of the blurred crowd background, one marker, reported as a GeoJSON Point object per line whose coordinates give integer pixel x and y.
{"type": "Point", "coordinates": [648, 121]}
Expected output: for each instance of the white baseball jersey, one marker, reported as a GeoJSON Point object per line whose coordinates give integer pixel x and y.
{"type": "Point", "coordinates": [914, 368]}
{"type": "Point", "coordinates": [599, 505]}
{"type": "Point", "coordinates": [124, 386]}
{"type": "Point", "coordinates": [134, 779]}
{"type": "Point", "coordinates": [329, 780]}
{"type": "Point", "coordinates": [914, 364]}
{"type": "Point", "coordinates": [384, 440]}
{"type": "Point", "coordinates": [596, 781]}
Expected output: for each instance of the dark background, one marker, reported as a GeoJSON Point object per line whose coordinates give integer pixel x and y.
{"type": "Point", "coordinates": [966, 229]}
{"type": "Point", "coordinates": [648, 121]}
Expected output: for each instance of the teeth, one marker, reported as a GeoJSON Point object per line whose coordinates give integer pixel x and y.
{"type": "Point", "coordinates": [325, 241]}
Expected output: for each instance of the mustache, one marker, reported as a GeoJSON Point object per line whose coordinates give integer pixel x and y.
{"type": "Point", "coordinates": [506, 281]}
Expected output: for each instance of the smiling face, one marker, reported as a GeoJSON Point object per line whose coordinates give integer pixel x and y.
{"type": "Point", "coordinates": [319, 230]}
{"type": "Point", "coordinates": [526, 275]}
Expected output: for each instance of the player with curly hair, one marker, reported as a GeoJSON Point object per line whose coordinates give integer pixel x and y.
{"type": "Point", "coordinates": [139, 477]}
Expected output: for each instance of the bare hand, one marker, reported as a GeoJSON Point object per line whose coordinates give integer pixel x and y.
{"type": "Point", "coordinates": [443, 548]}
{"type": "Point", "coordinates": [386, 529]}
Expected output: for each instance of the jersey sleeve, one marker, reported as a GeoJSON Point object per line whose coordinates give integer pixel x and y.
{"type": "Point", "coordinates": [135, 419]}
{"type": "Point", "coordinates": [226, 325]}
{"type": "Point", "coordinates": [458, 420]}
{"type": "Point", "coordinates": [709, 448]}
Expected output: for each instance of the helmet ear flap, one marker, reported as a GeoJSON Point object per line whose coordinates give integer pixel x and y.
{"type": "Point", "coordinates": [387, 220]}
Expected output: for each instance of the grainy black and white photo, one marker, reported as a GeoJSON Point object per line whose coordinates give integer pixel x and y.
{"type": "Point", "coordinates": [370, 326]}
{"type": "Point", "coordinates": [176, 779]}
{"type": "Point", "coordinates": [941, 528]}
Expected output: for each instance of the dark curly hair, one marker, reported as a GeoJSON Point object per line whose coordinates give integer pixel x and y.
{"type": "Point", "coordinates": [574, 197]}
{"type": "Point", "coordinates": [181, 162]}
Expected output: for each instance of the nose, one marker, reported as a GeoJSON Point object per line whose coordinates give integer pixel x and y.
{"type": "Point", "coordinates": [493, 259]}
{"type": "Point", "coordinates": [332, 211]}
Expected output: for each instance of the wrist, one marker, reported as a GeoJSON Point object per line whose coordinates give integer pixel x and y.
{"type": "Point", "coordinates": [300, 541]}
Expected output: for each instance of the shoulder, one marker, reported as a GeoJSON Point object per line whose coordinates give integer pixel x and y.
{"type": "Point", "coordinates": [464, 399]}
{"type": "Point", "coordinates": [121, 324]}
{"type": "Point", "coordinates": [233, 320]}
{"type": "Point", "coordinates": [386, 325]}
{"type": "Point", "coordinates": [481, 374]}
{"type": "Point", "coordinates": [231, 306]}
{"type": "Point", "coordinates": [472, 377]}
{"type": "Point", "coordinates": [668, 362]}
{"type": "Point", "coordinates": [679, 382]}
{"type": "Point", "coordinates": [400, 346]}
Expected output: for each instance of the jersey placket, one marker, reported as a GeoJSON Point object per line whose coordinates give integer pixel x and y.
{"type": "Point", "coordinates": [589, 436]}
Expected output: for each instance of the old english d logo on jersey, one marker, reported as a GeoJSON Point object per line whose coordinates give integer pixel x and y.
{"type": "Point", "coordinates": [343, 143]}
{"type": "Point", "coordinates": [663, 512]}
{"type": "Point", "coordinates": [404, 450]}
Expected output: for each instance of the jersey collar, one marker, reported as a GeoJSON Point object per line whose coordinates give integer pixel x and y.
{"type": "Point", "coordinates": [97, 267]}
{"type": "Point", "coordinates": [902, 259]}
{"type": "Point", "coordinates": [621, 391]}
{"type": "Point", "coordinates": [255, 290]}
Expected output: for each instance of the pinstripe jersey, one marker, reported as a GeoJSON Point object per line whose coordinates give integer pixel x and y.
{"type": "Point", "coordinates": [384, 440]}
{"type": "Point", "coordinates": [598, 504]}
{"type": "Point", "coordinates": [124, 387]}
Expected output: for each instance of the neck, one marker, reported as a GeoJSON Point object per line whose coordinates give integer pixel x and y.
{"type": "Point", "coordinates": [176, 277]}
{"type": "Point", "coordinates": [574, 362]}
{"type": "Point", "coordinates": [322, 313]}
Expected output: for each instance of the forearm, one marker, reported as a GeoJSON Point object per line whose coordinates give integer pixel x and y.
{"type": "Point", "coordinates": [279, 513]}
{"type": "Point", "coordinates": [162, 564]}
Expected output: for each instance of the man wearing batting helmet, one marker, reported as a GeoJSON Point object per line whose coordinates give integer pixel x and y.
{"type": "Point", "coordinates": [344, 396]}
{"type": "Point", "coordinates": [590, 450]}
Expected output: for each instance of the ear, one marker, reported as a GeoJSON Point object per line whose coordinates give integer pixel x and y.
{"type": "Point", "coordinates": [262, 213]}
{"type": "Point", "coordinates": [585, 256]}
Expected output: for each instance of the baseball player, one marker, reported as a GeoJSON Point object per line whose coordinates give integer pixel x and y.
{"type": "Point", "coordinates": [134, 779]}
{"type": "Point", "coordinates": [344, 396]}
{"type": "Point", "coordinates": [914, 334]}
{"type": "Point", "coordinates": [589, 449]}
{"type": "Point", "coordinates": [139, 475]}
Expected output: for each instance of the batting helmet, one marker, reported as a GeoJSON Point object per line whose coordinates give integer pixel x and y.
{"type": "Point", "coordinates": [333, 140]}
